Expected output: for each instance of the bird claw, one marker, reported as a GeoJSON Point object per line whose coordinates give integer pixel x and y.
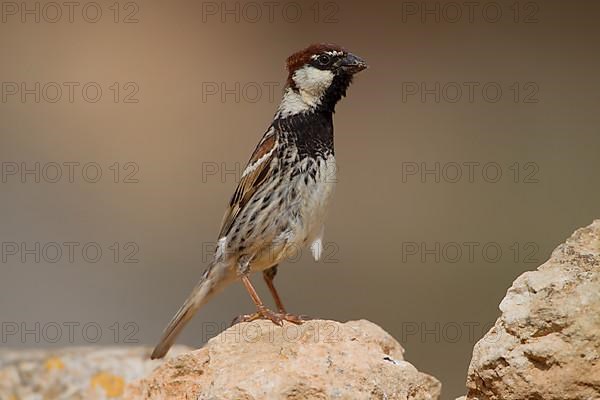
{"type": "Point", "coordinates": [295, 319]}
{"type": "Point", "coordinates": [275, 317]}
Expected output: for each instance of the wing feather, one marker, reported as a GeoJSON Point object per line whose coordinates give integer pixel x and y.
{"type": "Point", "coordinates": [256, 173]}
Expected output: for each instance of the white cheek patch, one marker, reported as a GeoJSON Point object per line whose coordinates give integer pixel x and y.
{"type": "Point", "coordinates": [311, 83]}
{"type": "Point", "coordinates": [313, 80]}
{"type": "Point", "coordinates": [291, 104]}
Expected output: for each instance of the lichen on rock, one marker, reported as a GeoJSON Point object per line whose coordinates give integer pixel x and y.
{"type": "Point", "coordinates": [90, 373]}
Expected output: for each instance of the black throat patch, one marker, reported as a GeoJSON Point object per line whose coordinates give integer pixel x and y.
{"type": "Point", "coordinates": [311, 133]}
{"type": "Point", "coordinates": [312, 130]}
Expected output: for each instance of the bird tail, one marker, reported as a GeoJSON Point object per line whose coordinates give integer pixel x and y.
{"type": "Point", "coordinates": [214, 279]}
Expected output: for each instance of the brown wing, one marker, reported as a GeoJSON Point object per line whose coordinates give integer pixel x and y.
{"type": "Point", "coordinates": [257, 171]}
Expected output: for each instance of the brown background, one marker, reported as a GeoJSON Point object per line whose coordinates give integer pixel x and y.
{"type": "Point", "coordinates": [173, 135]}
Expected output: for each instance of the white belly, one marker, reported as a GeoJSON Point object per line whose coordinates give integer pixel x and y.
{"type": "Point", "coordinates": [316, 201]}
{"type": "Point", "coordinates": [303, 216]}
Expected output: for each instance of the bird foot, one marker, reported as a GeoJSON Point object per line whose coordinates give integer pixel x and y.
{"type": "Point", "coordinates": [276, 317]}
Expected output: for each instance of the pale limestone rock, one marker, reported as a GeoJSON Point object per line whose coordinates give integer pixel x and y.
{"type": "Point", "coordinates": [546, 344]}
{"type": "Point", "coordinates": [317, 360]}
{"type": "Point", "coordinates": [90, 373]}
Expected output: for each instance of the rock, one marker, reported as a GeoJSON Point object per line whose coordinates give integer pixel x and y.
{"type": "Point", "coordinates": [546, 344]}
{"type": "Point", "coordinates": [317, 360]}
{"type": "Point", "coordinates": [89, 373]}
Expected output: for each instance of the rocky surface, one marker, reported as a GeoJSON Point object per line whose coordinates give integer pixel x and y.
{"type": "Point", "coordinates": [317, 360]}
{"type": "Point", "coordinates": [546, 344]}
{"type": "Point", "coordinates": [75, 373]}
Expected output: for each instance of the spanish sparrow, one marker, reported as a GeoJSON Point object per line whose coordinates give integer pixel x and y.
{"type": "Point", "coordinates": [281, 199]}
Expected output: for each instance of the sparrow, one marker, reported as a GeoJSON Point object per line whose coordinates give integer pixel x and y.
{"type": "Point", "coordinates": [281, 199]}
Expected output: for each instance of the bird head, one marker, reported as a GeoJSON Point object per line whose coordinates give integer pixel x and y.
{"type": "Point", "coordinates": [320, 74]}
{"type": "Point", "coordinates": [315, 67]}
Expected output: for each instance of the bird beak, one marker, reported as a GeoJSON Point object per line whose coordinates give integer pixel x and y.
{"type": "Point", "coordinates": [352, 64]}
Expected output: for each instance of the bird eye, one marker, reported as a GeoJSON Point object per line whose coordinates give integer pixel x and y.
{"type": "Point", "coordinates": [324, 59]}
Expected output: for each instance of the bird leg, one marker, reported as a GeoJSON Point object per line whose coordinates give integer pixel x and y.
{"type": "Point", "coordinates": [262, 312]}
{"type": "Point", "coordinates": [269, 276]}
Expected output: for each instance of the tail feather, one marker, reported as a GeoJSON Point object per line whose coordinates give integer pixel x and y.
{"type": "Point", "coordinates": [212, 280]}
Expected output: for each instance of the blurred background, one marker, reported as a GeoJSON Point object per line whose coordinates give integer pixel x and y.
{"type": "Point", "coordinates": [467, 152]}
